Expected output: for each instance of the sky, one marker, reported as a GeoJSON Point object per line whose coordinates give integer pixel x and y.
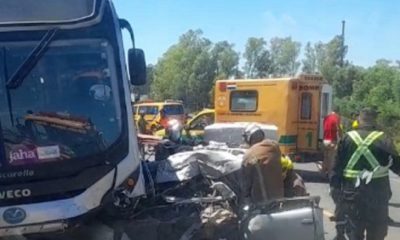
{"type": "Point", "coordinates": [372, 26]}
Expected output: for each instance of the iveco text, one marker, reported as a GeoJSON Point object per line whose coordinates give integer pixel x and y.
{"type": "Point", "coordinates": [17, 193]}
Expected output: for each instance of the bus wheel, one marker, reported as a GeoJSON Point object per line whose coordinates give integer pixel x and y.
{"type": "Point", "coordinates": [123, 207]}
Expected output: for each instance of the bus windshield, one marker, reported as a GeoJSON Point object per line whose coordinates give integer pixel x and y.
{"type": "Point", "coordinates": [33, 11]}
{"type": "Point", "coordinates": [64, 108]}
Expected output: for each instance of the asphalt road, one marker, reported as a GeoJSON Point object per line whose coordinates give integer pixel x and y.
{"type": "Point", "coordinates": [317, 185]}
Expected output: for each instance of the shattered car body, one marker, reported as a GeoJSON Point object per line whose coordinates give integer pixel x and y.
{"type": "Point", "coordinates": [198, 190]}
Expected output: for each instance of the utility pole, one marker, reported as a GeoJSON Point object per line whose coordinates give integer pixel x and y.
{"type": "Point", "coordinates": [343, 50]}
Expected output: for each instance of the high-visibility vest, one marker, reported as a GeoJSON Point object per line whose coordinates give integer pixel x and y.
{"type": "Point", "coordinates": [362, 150]}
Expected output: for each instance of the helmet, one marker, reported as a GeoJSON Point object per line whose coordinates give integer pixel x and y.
{"type": "Point", "coordinates": [174, 130]}
{"type": "Point", "coordinates": [287, 165]}
{"type": "Point", "coordinates": [253, 134]}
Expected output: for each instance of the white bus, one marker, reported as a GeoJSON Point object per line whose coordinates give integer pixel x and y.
{"type": "Point", "coordinates": [68, 145]}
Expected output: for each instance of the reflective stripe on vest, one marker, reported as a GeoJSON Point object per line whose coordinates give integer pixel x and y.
{"type": "Point", "coordinates": [363, 150]}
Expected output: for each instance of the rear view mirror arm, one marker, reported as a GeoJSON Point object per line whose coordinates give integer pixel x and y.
{"type": "Point", "coordinates": [124, 24]}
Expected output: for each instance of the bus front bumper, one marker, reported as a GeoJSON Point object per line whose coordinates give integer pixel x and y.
{"type": "Point", "coordinates": [33, 228]}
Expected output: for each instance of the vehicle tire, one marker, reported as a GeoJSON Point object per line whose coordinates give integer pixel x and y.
{"type": "Point", "coordinates": [121, 212]}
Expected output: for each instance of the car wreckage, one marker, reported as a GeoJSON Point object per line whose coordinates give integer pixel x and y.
{"type": "Point", "coordinates": [195, 195]}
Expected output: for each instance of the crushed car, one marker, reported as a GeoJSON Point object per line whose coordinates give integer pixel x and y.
{"type": "Point", "coordinates": [195, 195]}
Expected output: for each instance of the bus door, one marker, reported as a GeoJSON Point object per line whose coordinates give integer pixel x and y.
{"type": "Point", "coordinates": [308, 117]}
{"type": "Point", "coordinates": [326, 107]}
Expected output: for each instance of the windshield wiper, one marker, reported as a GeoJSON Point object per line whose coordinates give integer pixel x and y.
{"type": "Point", "coordinates": [31, 60]}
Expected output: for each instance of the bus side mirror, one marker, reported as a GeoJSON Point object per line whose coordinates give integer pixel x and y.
{"type": "Point", "coordinates": [137, 66]}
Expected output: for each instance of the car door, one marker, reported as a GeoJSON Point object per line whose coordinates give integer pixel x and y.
{"type": "Point", "coordinates": [308, 128]}
{"type": "Point", "coordinates": [299, 221]}
{"type": "Point", "coordinates": [326, 107]}
{"type": "Point", "coordinates": [198, 123]}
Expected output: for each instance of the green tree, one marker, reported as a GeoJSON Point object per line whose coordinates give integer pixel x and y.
{"type": "Point", "coordinates": [383, 62]}
{"type": "Point", "coordinates": [284, 56]}
{"type": "Point", "coordinates": [145, 89]}
{"type": "Point", "coordinates": [344, 78]}
{"type": "Point", "coordinates": [257, 58]}
{"type": "Point", "coordinates": [186, 71]}
{"type": "Point", "coordinates": [329, 57]}
{"type": "Point", "coordinates": [139, 92]}
{"type": "Point", "coordinates": [330, 62]}
{"type": "Point", "coordinates": [226, 60]}
{"type": "Point", "coordinates": [310, 60]}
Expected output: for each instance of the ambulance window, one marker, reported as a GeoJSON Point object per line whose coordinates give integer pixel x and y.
{"type": "Point", "coordinates": [173, 110]}
{"type": "Point", "coordinates": [149, 110]}
{"type": "Point", "coordinates": [244, 101]}
{"type": "Point", "coordinates": [306, 106]}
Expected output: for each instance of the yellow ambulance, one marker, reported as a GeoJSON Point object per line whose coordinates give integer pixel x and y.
{"type": "Point", "coordinates": [173, 110]}
{"type": "Point", "coordinates": [296, 105]}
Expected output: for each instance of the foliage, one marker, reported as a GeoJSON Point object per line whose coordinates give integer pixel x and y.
{"type": "Point", "coordinates": [310, 60]}
{"type": "Point", "coordinates": [284, 56]}
{"type": "Point", "coordinates": [225, 59]}
{"type": "Point", "coordinates": [188, 69]}
{"type": "Point", "coordinates": [258, 61]}
{"type": "Point", "coordinates": [145, 89]}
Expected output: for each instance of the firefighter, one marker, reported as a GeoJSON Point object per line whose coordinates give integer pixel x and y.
{"type": "Point", "coordinates": [142, 123]}
{"type": "Point", "coordinates": [163, 122]}
{"type": "Point", "coordinates": [262, 171]}
{"type": "Point", "coordinates": [292, 182]}
{"type": "Point", "coordinates": [360, 179]}
{"type": "Point", "coordinates": [173, 141]}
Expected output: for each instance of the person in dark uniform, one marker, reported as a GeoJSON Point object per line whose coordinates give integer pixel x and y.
{"type": "Point", "coordinates": [292, 182]}
{"type": "Point", "coordinates": [142, 123]}
{"type": "Point", "coordinates": [360, 179]}
{"type": "Point", "coordinates": [173, 141]}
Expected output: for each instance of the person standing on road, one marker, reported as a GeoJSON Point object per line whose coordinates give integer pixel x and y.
{"type": "Point", "coordinates": [163, 119]}
{"type": "Point", "coordinates": [293, 183]}
{"type": "Point", "coordinates": [173, 142]}
{"type": "Point", "coordinates": [262, 171]}
{"type": "Point", "coordinates": [332, 134]}
{"type": "Point", "coordinates": [360, 178]}
{"type": "Point", "coordinates": [142, 123]}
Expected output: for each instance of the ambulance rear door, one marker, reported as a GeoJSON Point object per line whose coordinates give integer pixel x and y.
{"type": "Point", "coordinates": [326, 107]}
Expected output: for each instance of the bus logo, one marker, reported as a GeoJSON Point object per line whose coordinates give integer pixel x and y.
{"type": "Point", "coordinates": [14, 215]}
